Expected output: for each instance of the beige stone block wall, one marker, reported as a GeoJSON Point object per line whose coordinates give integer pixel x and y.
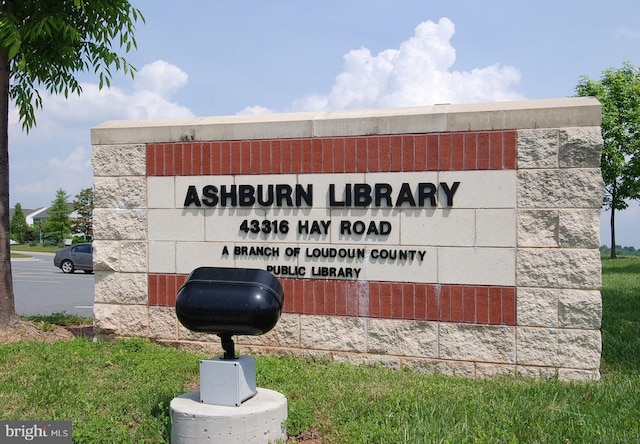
{"type": "Point", "coordinates": [556, 265]}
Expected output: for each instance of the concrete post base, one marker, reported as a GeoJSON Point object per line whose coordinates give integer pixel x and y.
{"type": "Point", "coordinates": [258, 420]}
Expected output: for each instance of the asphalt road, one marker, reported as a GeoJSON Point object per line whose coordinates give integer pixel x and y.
{"type": "Point", "coordinates": [42, 289]}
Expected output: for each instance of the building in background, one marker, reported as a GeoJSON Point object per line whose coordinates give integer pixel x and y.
{"type": "Point", "coordinates": [35, 218]}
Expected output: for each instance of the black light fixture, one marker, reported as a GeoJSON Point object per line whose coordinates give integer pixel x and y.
{"type": "Point", "coordinates": [230, 301]}
{"type": "Point", "coordinates": [227, 302]}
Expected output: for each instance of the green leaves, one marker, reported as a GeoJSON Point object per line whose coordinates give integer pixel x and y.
{"type": "Point", "coordinates": [48, 43]}
{"type": "Point", "coordinates": [18, 224]}
{"type": "Point", "coordinates": [619, 93]}
{"type": "Point", "coordinates": [9, 36]}
{"type": "Point", "coordinates": [58, 225]}
{"type": "Point", "coordinates": [83, 205]}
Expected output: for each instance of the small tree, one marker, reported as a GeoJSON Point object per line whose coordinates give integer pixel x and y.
{"type": "Point", "coordinates": [29, 235]}
{"type": "Point", "coordinates": [619, 93]}
{"type": "Point", "coordinates": [18, 225]}
{"type": "Point", "coordinates": [58, 226]}
{"type": "Point", "coordinates": [43, 44]}
{"type": "Point", "coordinates": [83, 205]}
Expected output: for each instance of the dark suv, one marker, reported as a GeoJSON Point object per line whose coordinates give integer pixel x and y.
{"type": "Point", "coordinates": [75, 257]}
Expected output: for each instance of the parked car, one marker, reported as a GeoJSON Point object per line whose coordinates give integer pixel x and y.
{"type": "Point", "coordinates": [75, 257]}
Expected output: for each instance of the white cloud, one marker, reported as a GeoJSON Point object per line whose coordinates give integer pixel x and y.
{"type": "Point", "coordinates": [257, 109]}
{"type": "Point", "coordinates": [42, 161]}
{"type": "Point", "coordinates": [71, 173]}
{"type": "Point", "coordinates": [417, 73]}
{"type": "Point", "coordinates": [153, 87]}
{"type": "Point", "coordinates": [77, 160]}
{"type": "Point", "coordinates": [41, 187]}
{"type": "Point", "coordinates": [626, 33]}
{"type": "Point", "coordinates": [70, 118]}
{"type": "Point", "coordinates": [160, 78]}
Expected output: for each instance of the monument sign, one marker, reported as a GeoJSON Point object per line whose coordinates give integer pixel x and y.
{"type": "Point", "coordinates": [460, 239]}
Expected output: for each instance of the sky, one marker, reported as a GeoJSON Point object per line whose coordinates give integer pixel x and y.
{"type": "Point", "coordinates": [216, 58]}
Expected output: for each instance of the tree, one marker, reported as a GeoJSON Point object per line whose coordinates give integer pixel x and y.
{"type": "Point", "coordinates": [83, 205]}
{"type": "Point", "coordinates": [43, 44]}
{"type": "Point", "coordinates": [18, 225]}
{"type": "Point", "coordinates": [29, 234]}
{"type": "Point", "coordinates": [619, 93]}
{"type": "Point", "coordinates": [57, 227]}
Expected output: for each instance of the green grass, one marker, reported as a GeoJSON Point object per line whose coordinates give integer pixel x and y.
{"type": "Point", "coordinates": [23, 251]}
{"type": "Point", "coordinates": [49, 322]}
{"type": "Point", "coordinates": [19, 255]}
{"type": "Point", "coordinates": [113, 392]}
{"type": "Point", "coordinates": [358, 404]}
{"type": "Point", "coordinates": [38, 248]}
{"type": "Point", "coordinates": [621, 314]}
{"type": "Point", "coordinates": [60, 318]}
{"type": "Point", "coordinates": [119, 391]}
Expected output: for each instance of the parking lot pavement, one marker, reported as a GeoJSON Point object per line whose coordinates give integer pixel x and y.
{"type": "Point", "coordinates": [42, 289]}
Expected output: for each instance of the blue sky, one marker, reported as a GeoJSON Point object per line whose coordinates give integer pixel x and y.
{"type": "Point", "coordinates": [210, 58]}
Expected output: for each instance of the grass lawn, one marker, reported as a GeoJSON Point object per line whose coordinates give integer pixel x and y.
{"type": "Point", "coordinates": [24, 250]}
{"type": "Point", "coordinates": [120, 391]}
{"type": "Point", "coordinates": [37, 248]}
{"type": "Point", "coordinates": [19, 255]}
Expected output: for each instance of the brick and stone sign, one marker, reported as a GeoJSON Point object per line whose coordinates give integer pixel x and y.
{"type": "Point", "coordinates": [460, 239]}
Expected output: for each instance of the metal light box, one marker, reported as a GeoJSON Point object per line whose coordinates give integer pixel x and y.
{"type": "Point", "coordinates": [227, 382]}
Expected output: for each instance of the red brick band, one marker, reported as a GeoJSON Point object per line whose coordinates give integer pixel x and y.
{"type": "Point", "coordinates": [473, 150]}
{"type": "Point", "coordinates": [474, 304]}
